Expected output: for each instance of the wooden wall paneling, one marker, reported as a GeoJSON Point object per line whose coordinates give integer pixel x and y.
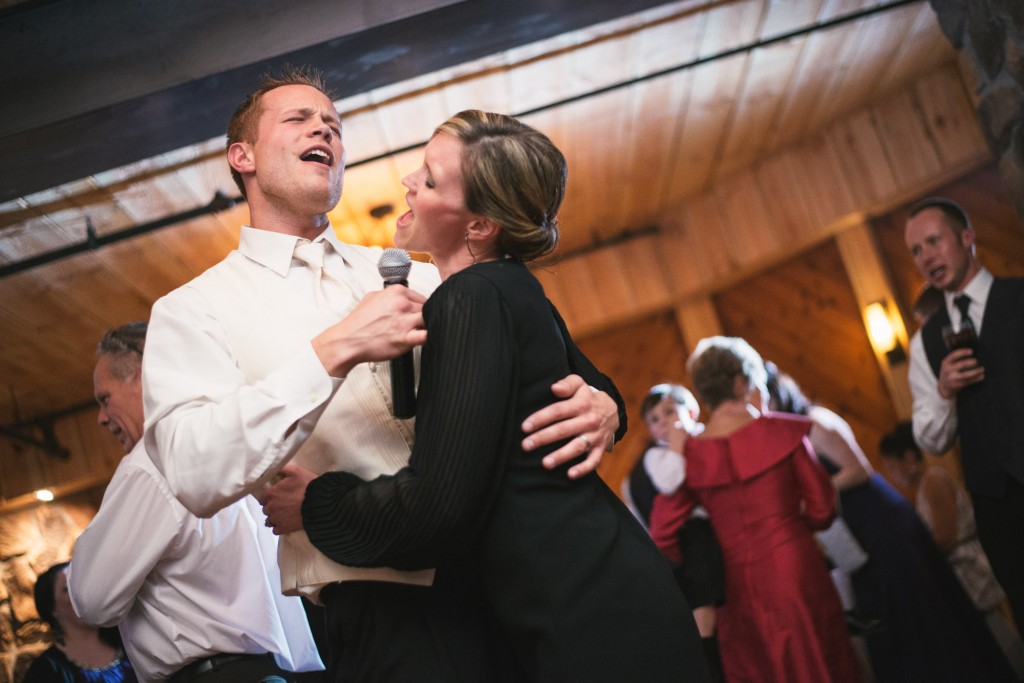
{"type": "Point", "coordinates": [592, 214]}
{"type": "Point", "coordinates": [750, 233]}
{"type": "Point", "coordinates": [949, 117]}
{"type": "Point", "coordinates": [647, 273]}
{"type": "Point", "coordinates": [146, 265]}
{"type": "Point", "coordinates": [812, 79]}
{"type": "Point", "coordinates": [668, 41]}
{"type": "Point", "coordinates": [20, 466]}
{"type": "Point", "coordinates": [79, 464]}
{"type": "Point", "coordinates": [781, 180]}
{"type": "Point", "coordinates": [707, 114]}
{"type": "Point", "coordinates": [362, 130]}
{"type": "Point", "coordinates": [769, 71]}
{"type": "Point", "coordinates": [414, 108]}
{"type": "Point", "coordinates": [924, 45]}
{"type": "Point", "coordinates": [201, 242]}
{"type": "Point", "coordinates": [692, 242]}
{"type": "Point", "coordinates": [204, 169]}
{"type": "Point", "coordinates": [537, 76]}
{"type": "Point", "coordinates": [866, 168]}
{"type": "Point", "coordinates": [653, 157]}
{"type": "Point", "coordinates": [825, 192]}
{"type": "Point", "coordinates": [609, 285]}
{"type": "Point", "coordinates": [907, 140]}
{"type": "Point", "coordinates": [856, 83]}
{"type": "Point", "coordinates": [40, 234]}
{"type": "Point", "coordinates": [89, 286]}
{"type": "Point", "coordinates": [866, 269]}
{"type": "Point", "coordinates": [730, 25]}
{"type": "Point", "coordinates": [665, 101]}
{"type": "Point", "coordinates": [697, 318]}
{"type": "Point", "coordinates": [483, 86]}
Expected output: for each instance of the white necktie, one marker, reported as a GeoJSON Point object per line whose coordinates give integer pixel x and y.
{"type": "Point", "coordinates": [329, 291]}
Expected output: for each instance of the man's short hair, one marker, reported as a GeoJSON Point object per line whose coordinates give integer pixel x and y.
{"type": "Point", "coordinates": [124, 346]}
{"type": "Point", "coordinates": [954, 213]}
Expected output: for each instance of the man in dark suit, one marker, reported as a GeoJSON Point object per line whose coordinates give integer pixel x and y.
{"type": "Point", "coordinates": [967, 379]}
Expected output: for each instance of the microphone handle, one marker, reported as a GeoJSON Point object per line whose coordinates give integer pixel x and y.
{"type": "Point", "coordinates": [403, 386]}
{"type": "Point", "coordinates": [403, 377]}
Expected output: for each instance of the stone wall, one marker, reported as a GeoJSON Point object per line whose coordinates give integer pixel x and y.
{"type": "Point", "coordinates": [32, 540]}
{"type": "Point", "coordinates": [990, 37]}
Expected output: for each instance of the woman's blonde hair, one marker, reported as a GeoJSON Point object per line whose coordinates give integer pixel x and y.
{"type": "Point", "coordinates": [514, 175]}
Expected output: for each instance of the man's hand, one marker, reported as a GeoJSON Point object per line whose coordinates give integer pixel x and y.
{"type": "Point", "coordinates": [384, 325]}
{"type": "Point", "coordinates": [959, 369]}
{"type": "Point", "coordinates": [590, 415]}
{"type": "Point", "coordinates": [282, 502]}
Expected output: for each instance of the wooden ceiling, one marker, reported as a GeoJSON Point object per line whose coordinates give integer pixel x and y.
{"type": "Point", "coordinates": [651, 108]}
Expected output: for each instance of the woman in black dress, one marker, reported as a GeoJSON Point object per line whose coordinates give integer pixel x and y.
{"type": "Point", "coordinates": [577, 587]}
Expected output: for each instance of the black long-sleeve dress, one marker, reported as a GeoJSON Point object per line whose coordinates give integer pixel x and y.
{"type": "Point", "coordinates": [578, 587]}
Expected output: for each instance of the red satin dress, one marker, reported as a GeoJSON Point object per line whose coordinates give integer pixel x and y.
{"type": "Point", "coordinates": [765, 493]}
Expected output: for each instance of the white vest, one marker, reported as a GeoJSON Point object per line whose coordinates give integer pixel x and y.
{"type": "Point", "coordinates": [265, 322]}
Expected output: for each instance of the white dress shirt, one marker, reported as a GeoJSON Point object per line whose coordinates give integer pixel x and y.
{"type": "Point", "coordinates": [182, 588]}
{"type": "Point", "coordinates": [233, 389]}
{"type": "Point", "coordinates": [935, 422]}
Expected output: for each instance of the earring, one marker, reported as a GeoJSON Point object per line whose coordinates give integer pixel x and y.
{"type": "Point", "coordinates": [469, 249]}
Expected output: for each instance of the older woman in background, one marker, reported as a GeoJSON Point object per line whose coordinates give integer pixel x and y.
{"type": "Point", "coordinates": [81, 653]}
{"type": "Point", "coordinates": [765, 493]}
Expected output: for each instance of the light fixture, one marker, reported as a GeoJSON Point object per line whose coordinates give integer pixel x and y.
{"type": "Point", "coordinates": [882, 333]}
{"type": "Point", "coordinates": [45, 495]}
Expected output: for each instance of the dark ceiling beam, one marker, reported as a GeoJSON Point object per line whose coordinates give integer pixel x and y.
{"type": "Point", "coordinates": [51, 154]}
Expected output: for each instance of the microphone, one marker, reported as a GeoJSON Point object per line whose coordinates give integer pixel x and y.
{"type": "Point", "coordinates": [394, 266]}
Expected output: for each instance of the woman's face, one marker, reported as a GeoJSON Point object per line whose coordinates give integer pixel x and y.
{"type": "Point", "coordinates": [62, 609]}
{"type": "Point", "coordinates": [437, 219]}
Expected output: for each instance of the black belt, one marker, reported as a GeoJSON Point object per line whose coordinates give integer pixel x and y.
{"type": "Point", "coordinates": [204, 666]}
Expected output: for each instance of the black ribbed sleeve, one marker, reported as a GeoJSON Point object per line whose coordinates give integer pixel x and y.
{"type": "Point", "coordinates": [464, 429]}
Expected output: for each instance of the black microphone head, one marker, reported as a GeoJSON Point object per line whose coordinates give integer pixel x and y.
{"type": "Point", "coordinates": [394, 265]}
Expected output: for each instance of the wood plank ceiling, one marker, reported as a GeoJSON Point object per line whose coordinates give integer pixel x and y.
{"type": "Point", "coordinates": [650, 109]}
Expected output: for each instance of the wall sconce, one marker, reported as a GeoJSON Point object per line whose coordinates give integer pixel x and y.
{"type": "Point", "coordinates": [882, 333]}
{"type": "Point", "coordinates": [44, 495]}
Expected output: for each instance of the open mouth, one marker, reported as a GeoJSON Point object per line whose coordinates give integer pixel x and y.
{"type": "Point", "coordinates": [317, 155]}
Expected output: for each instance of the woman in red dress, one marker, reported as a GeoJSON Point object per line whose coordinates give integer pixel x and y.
{"type": "Point", "coordinates": [765, 493]}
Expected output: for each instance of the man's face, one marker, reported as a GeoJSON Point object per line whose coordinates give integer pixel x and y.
{"type": "Point", "coordinates": [941, 254]}
{"type": "Point", "coordinates": [120, 404]}
{"type": "Point", "coordinates": [298, 157]}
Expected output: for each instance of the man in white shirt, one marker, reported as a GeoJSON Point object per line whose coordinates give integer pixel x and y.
{"type": "Point", "coordinates": [967, 379]}
{"type": "Point", "coordinates": [195, 599]}
{"type": "Point", "coordinates": [249, 367]}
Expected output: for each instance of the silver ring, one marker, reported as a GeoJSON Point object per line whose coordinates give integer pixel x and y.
{"type": "Point", "coordinates": [586, 441]}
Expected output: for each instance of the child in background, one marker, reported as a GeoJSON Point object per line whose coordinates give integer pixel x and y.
{"type": "Point", "coordinates": [697, 565]}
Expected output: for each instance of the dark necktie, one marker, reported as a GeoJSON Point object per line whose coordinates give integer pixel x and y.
{"type": "Point", "coordinates": [963, 304]}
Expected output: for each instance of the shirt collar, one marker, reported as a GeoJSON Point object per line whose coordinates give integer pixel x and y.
{"type": "Point", "coordinates": [274, 250]}
{"type": "Point", "coordinates": [977, 289]}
